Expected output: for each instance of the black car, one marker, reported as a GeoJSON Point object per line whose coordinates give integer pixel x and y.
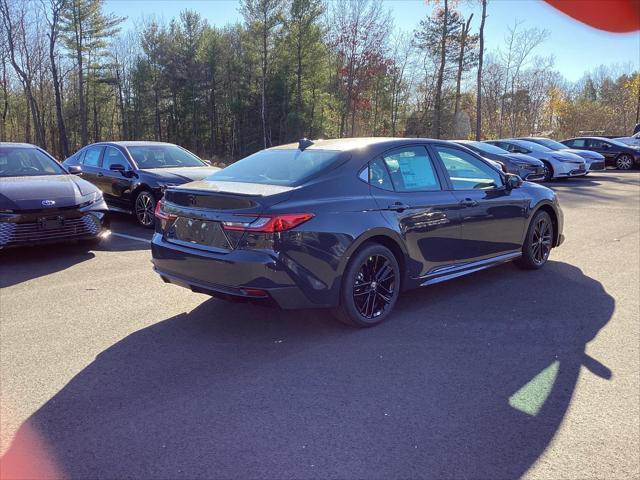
{"type": "Point", "coordinates": [349, 223]}
{"type": "Point", "coordinates": [618, 154]}
{"type": "Point", "coordinates": [132, 175]}
{"type": "Point", "coordinates": [42, 202]}
{"type": "Point", "coordinates": [525, 166]}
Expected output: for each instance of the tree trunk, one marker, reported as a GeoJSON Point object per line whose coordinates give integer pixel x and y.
{"type": "Point", "coordinates": [463, 41]}
{"type": "Point", "coordinates": [63, 141]}
{"type": "Point", "coordinates": [263, 109]}
{"type": "Point", "coordinates": [479, 84]}
{"type": "Point", "coordinates": [443, 53]}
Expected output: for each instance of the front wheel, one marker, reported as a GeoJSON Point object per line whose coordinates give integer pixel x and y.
{"type": "Point", "coordinates": [538, 242]}
{"type": "Point", "coordinates": [624, 162]}
{"type": "Point", "coordinates": [548, 172]}
{"type": "Point", "coordinates": [370, 287]}
{"type": "Point", "coordinates": [143, 208]}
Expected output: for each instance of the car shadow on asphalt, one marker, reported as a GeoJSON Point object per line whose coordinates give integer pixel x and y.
{"type": "Point", "coordinates": [469, 379]}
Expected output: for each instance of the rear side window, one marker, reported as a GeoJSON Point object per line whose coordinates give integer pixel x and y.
{"type": "Point", "coordinates": [377, 175]}
{"type": "Point", "coordinates": [411, 170]}
{"type": "Point", "coordinates": [581, 142]}
{"type": "Point", "coordinates": [92, 156]}
{"type": "Point", "coordinates": [287, 167]}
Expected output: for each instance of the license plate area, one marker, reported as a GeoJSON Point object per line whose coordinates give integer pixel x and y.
{"type": "Point", "coordinates": [194, 231]}
{"type": "Point", "coordinates": [50, 223]}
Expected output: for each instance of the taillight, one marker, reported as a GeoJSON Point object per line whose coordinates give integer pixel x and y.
{"type": "Point", "coordinates": [269, 223]}
{"type": "Point", "coordinates": [161, 214]}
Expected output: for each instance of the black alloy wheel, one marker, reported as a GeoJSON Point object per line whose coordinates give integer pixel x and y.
{"type": "Point", "coordinates": [548, 172]}
{"type": "Point", "coordinates": [538, 243]}
{"type": "Point", "coordinates": [624, 162]}
{"type": "Point", "coordinates": [144, 208]}
{"type": "Point", "coordinates": [370, 289]}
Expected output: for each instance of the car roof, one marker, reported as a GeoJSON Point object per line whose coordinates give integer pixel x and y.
{"type": "Point", "coordinates": [593, 138]}
{"type": "Point", "coordinates": [16, 144]}
{"type": "Point", "coordinates": [350, 144]}
{"type": "Point", "coordinates": [129, 143]}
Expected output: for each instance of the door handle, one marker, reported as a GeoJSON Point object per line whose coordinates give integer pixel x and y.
{"type": "Point", "coordinates": [100, 174]}
{"type": "Point", "coordinates": [468, 202]}
{"type": "Point", "coordinates": [399, 206]}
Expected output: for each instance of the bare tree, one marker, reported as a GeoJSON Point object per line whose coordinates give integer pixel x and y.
{"type": "Point", "coordinates": [479, 80]}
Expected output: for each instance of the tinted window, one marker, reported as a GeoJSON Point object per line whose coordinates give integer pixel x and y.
{"type": "Point", "coordinates": [467, 172]}
{"type": "Point", "coordinates": [379, 176]}
{"type": "Point", "coordinates": [286, 167]}
{"type": "Point", "coordinates": [580, 142]}
{"type": "Point", "coordinates": [18, 162]}
{"type": "Point", "coordinates": [598, 144]}
{"type": "Point", "coordinates": [163, 156]}
{"type": "Point", "coordinates": [411, 170]}
{"type": "Point", "coordinates": [92, 156]}
{"type": "Point", "coordinates": [113, 156]}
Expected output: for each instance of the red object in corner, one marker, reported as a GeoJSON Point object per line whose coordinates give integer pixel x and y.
{"type": "Point", "coordinates": [611, 15]}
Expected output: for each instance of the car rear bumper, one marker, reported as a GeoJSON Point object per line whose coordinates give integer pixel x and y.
{"type": "Point", "coordinates": [235, 275]}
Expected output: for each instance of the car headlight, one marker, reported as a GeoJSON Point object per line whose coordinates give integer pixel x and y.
{"type": "Point", "coordinates": [91, 198]}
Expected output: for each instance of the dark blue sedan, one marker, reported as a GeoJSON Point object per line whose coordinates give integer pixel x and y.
{"type": "Point", "coordinates": [348, 224]}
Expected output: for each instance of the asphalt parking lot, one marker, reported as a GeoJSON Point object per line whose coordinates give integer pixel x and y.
{"type": "Point", "coordinates": [106, 372]}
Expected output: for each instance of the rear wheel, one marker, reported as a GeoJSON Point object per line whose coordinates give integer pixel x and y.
{"type": "Point", "coordinates": [624, 162]}
{"type": "Point", "coordinates": [538, 242]}
{"type": "Point", "coordinates": [370, 287]}
{"type": "Point", "coordinates": [143, 208]}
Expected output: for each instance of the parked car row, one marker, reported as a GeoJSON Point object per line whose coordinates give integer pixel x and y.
{"type": "Point", "coordinates": [345, 224]}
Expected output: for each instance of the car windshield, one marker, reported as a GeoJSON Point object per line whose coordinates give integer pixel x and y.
{"type": "Point", "coordinates": [552, 144]}
{"type": "Point", "coordinates": [278, 167]}
{"type": "Point", "coordinates": [616, 142]}
{"type": "Point", "coordinates": [27, 162]}
{"type": "Point", "coordinates": [536, 147]}
{"type": "Point", "coordinates": [163, 156]}
{"type": "Point", "coordinates": [486, 148]}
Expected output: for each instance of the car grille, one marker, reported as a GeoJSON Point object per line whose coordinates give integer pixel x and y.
{"type": "Point", "coordinates": [26, 233]}
{"type": "Point", "coordinates": [597, 166]}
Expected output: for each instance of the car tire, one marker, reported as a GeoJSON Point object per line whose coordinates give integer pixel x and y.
{"type": "Point", "coordinates": [144, 207]}
{"type": "Point", "coordinates": [370, 287]}
{"type": "Point", "coordinates": [548, 172]}
{"type": "Point", "coordinates": [624, 162]}
{"type": "Point", "coordinates": [538, 242]}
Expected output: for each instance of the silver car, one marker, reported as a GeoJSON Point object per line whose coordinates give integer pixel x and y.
{"type": "Point", "coordinates": [633, 140]}
{"type": "Point", "coordinates": [593, 160]}
{"type": "Point", "coordinates": [558, 164]}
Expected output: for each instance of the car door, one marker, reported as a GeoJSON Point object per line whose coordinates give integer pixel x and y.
{"type": "Point", "coordinates": [91, 159]}
{"type": "Point", "coordinates": [603, 148]}
{"type": "Point", "coordinates": [492, 217]}
{"type": "Point", "coordinates": [116, 185]}
{"type": "Point", "coordinates": [408, 189]}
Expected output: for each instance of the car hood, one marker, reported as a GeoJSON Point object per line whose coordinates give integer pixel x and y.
{"type": "Point", "coordinates": [584, 153]}
{"type": "Point", "coordinates": [524, 158]}
{"type": "Point", "coordinates": [180, 174]}
{"type": "Point", "coordinates": [28, 193]}
{"type": "Point", "coordinates": [567, 155]}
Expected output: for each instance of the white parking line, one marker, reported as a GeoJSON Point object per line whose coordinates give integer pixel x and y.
{"type": "Point", "coordinates": [130, 237]}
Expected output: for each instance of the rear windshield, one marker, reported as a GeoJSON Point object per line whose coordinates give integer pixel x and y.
{"type": "Point", "coordinates": [278, 167]}
{"type": "Point", "coordinates": [27, 162]}
{"type": "Point", "coordinates": [163, 156]}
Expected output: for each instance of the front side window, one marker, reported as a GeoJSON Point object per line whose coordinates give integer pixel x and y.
{"type": "Point", "coordinates": [411, 170]}
{"type": "Point", "coordinates": [27, 162]}
{"type": "Point", "coordinates": [92, 156]}
{"type": "Point", "coordinates": [163, 156]}
{"type": "Point", "coordinates": [467, 172]}
{"type": "Point", "coordinates": [579, 142]}
{"type": "Point", "coordinates": [113, 156]}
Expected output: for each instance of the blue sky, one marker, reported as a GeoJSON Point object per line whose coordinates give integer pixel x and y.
{"type": "Point", "coordinates": [576, 47]}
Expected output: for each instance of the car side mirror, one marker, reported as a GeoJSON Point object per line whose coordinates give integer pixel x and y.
{"type": "Point", "coordinates": [605, 146]}
{"type": "Point", "coordinates": [512, 181]}
{"type": "Point", "coordinates": [74, 169]}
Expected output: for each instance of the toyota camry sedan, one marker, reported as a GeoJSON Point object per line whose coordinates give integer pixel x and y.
{"type": "Point", "coordinates": [133, 175]}
{"type": "Point", "coordinates": [42, 202]}
{"type": "Point", "coordinates": [348, 224]}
